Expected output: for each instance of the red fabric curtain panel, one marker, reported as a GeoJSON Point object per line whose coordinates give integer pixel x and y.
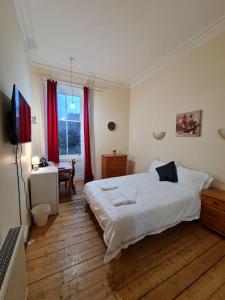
{"type": "Point", "coordinates": [52, 121]}
{"type": "Point", "coordinates": [88, 176]}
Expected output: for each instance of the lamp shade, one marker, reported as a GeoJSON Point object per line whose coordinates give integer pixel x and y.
{"type": "Point", "coordinates": [159, 135]}
{"type": "Point", "coordinates": [35, 160]}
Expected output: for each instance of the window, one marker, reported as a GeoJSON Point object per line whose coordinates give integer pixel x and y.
{"type": "Point", "coordinates": [69, 124]}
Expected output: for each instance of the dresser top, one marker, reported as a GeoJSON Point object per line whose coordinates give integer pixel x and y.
{"type": "Point", "coordinates": [114, 155]}
{"type": "Point", "coordinates": [214, 193]}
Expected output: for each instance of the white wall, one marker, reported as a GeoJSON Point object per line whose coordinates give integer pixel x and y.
{"type": "Point", "coordinates": [14, 68]}
{"type": "Point", "coordinates": [38, 129]}
{"type": "Point", "coordinates": [197, 81]}
{"type": "Point", "coordinates": [110, 105]}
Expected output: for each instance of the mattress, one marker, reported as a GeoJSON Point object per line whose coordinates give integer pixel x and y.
{"type": "Point", "coordinates": [159, 205]}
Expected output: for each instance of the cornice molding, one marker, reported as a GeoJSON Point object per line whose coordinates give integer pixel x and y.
{"type": "Point", "coordinates": [81, 76]}
{"type": "Point", "coordinates": [196, 41]}
{"type": "Point", "coordinates": [23, 13]}
{"type": "Point", "coordinates": [193, 43]}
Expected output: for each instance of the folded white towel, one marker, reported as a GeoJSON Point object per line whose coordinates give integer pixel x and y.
{"type": "Point", "coordinates": [108, 187]}
{"type": "Point", "coordinates": [121, 197]}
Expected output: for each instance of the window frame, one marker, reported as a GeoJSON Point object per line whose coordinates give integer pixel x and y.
{"type": "Point", "coordinates": [77, 92]}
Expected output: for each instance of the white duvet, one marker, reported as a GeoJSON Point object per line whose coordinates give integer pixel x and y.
{"type": "Point", "coordinates": [159, 205]}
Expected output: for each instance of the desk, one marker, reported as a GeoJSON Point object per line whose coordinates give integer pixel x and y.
{"type": "Point", "coordinates": [66, 168]}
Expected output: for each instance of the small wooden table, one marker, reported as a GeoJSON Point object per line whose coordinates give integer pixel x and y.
{"type": "Point", "coordinates": [66, 168]}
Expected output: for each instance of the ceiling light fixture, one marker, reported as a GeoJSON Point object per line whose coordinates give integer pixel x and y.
{"type": "Point", "coordinates": [72, 104]}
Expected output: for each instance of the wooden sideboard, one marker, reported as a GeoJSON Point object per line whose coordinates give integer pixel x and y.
{"type": "Point", "coordinates": [114, 165]}
{"type": "Point", "coordinates": [213, 209]}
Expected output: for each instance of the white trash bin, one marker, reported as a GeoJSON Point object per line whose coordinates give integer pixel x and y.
{"type": "Point", "coordinates": [40, 214]}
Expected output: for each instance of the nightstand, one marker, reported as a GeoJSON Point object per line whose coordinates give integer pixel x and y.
{"type": "Point", "coordinates": [213, 209]}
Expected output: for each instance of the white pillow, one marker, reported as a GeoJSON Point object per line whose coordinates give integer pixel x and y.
{"type": "Point", "coordinates": [193, 179]}
{"type": "Point", "coordinates": [152, 169]}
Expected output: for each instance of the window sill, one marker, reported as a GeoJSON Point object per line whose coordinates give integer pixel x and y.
{"type": "Point", "coordinates": [70, 157]}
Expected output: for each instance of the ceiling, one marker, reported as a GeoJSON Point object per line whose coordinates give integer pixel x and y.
{"type": "Point", "coordinates": [116, 40]}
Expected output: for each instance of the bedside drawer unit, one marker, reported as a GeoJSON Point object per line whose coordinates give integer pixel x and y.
{"type": "Point", "coordinates": [213, 223]}
{"type": "Point", "coordinates": [213, 210]}
{"type": "Point", "coordinates": [114, 165]}
{"type": "Point", "coordinates": [217, 203]}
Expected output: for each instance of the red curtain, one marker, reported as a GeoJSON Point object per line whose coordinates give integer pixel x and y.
{"type": "Point", "coordinates": [88, 176]}
{"type": "Point", "coordinates": [52, 121]}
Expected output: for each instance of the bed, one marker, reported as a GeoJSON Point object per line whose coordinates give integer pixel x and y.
{"type": "Point", "coordinates": [159, 205]}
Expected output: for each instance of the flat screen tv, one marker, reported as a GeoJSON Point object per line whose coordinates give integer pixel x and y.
{"type": "Point", "coordinates": [20, 118]}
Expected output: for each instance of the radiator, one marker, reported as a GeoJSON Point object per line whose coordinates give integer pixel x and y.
{"type": "Point", "coordinates": [13, 285]}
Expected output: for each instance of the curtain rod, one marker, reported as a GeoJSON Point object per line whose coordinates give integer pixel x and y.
{"type": "Point", "coordinates": [74, 85]}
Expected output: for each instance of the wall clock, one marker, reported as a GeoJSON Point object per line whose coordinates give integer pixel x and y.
{"type": "Point", "coordinates": [111, 126]}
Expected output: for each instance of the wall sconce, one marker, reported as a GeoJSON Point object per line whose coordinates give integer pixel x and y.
{"type": "Point", "coordinates": [159, 135]}
{"type": "Point", "coordinates": [222, 132]}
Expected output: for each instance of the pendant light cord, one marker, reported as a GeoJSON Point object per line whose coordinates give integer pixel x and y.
{"type": "Point", "coordinates": [71, 77]}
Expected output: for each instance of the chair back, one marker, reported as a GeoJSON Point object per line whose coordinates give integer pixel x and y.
{"type": "Point", "coordinates": [73, 168]}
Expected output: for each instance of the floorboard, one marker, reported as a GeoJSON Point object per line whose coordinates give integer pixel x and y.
{"type": "Point", "coordinates": [65, 261]}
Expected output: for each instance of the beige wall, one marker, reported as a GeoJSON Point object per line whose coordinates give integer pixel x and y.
{"type": "Point", "coordinates": [197, 81]}
{"type": "Point", "coordinates": [110, 105]}
{"type": "Point", "coordinates": [38, 139]}
{"type": "Point", "coordinates": [14, 68]}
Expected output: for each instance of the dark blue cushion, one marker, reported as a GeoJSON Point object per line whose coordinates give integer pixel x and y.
{"type": "Point", "coordinates": [168, 172]}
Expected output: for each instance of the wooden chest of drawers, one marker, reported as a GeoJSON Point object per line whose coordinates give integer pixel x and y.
{"type": "Point", "coordinates": [213, 210]}
{"type": "Point", "coordinates": [114, 165]}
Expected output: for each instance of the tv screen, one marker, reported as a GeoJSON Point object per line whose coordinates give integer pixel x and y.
{"type": "Point", "coordinates": [21, 118]}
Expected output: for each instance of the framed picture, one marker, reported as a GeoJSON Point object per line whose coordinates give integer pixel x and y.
{"type": "Point", "coordinates": [189, 123]}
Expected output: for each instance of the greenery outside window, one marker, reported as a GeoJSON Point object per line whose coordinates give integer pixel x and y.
{"type": "Point", "coordinates": [70, 127]}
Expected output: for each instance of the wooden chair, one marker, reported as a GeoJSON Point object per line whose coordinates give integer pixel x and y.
{"type": "Point", "coordinates": [72, 175]}
{"type": "Point", "coordinates": [65, 177]}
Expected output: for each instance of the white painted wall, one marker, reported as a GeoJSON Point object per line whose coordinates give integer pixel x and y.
{"type": "Point", "coordinates": [14, 68]}
{"type": "Point", "coordinates": [110, 105]}
{"type": "Point", "coordinates": [197, 81]}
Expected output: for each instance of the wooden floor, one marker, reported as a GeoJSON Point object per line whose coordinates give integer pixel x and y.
{"type": "Point", "coordinates": [65, 261]}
